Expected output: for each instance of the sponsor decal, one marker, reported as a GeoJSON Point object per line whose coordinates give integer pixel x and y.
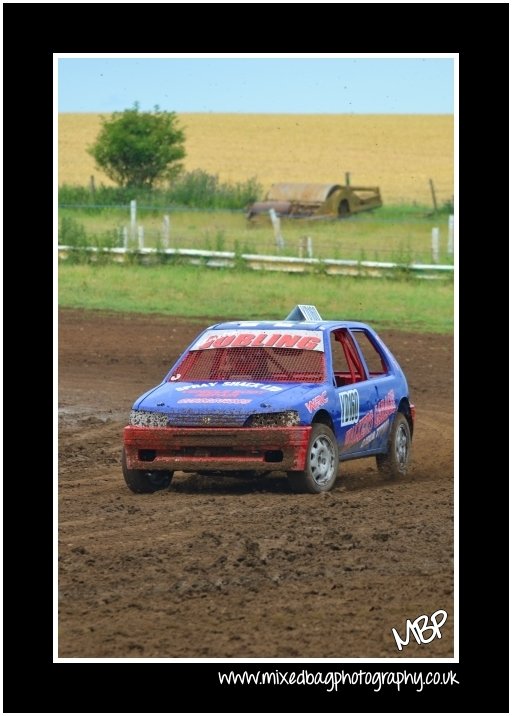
{"type": "Point", "coordinates": [215, 401]}
{"type": "Point", "coordinates": [302, 340]}
{"type": "Point", "coordinates": [317, 402]}
{"type": "Point", "coordinates": [195, 387]}
{"type": "Point", "coordinates": [349, 404]}
{"type": "Point", "coordinates": [211, 393]}
{"type": "Point", "coordinates": [261, 386]}
{"type": "Point", "coordinates": [385, 408]}
{"type": "Point", "coordinates": [231, 384]}
{"type": "Point", "coordinates": [375, 435]}
{"type": "Point", "coordinates": [361, 432]}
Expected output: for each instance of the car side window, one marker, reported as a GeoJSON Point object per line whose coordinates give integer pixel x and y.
{"type": "Point", "coordinates": [374, 359]}
{"type": "Point", "coordinates": [346, 363]}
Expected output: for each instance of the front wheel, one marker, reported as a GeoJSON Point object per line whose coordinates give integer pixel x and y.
{"type": "Point", "coordinates": [145, 481]}
{"type": "Point", "coordinates": [322, 462]}
{"type": "Point", "coordinates": [395, 463]}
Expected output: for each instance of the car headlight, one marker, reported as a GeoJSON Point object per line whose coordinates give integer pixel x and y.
{"type": "Point", "coordinates": [148, 419]}
{"type": "Point", "coordinates": [286, 419]}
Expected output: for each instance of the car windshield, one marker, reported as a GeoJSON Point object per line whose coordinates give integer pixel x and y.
{"type": "Point", "coordinates": [273, 365]}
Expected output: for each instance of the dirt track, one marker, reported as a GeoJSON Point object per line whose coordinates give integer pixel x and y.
{"type": "Point", "coordinates": [226, 568]}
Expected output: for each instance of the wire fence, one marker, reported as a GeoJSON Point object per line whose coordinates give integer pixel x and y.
{"type": "Point", "coordinates": [413, 235]}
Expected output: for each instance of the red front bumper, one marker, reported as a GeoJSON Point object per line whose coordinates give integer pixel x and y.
{"type": "Point", "coordinates": [216, 448]}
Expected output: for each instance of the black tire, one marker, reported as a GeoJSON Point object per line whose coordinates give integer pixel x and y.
{"type": "Point", "coordinates": [395, 463]}
{"type": "Point", "coordinates": [145, 481]}
{"type": "Point", "coordinates": [322, 462]}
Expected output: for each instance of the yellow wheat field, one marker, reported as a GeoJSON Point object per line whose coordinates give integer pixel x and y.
{"type": "Point", "coordinates": [398, 153]}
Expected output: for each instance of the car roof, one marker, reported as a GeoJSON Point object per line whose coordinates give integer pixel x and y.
{"type": "Point", "coordinates": [298, 325]}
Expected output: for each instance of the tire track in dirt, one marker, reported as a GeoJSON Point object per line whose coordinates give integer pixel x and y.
{"type": "Point", "coordinates": [230, 568]}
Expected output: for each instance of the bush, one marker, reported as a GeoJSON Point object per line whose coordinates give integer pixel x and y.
{"type": "Point", "coordinates": [202, 190]}
{"type": "Point", "coordinates": [196, 189]}
{"type": "Point", "coordinates": [135, 149]}
{"type": "Point", "coordinates": [71, 232]}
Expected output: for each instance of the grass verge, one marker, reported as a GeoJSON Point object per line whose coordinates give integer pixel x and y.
{"type": "Point", "coordinates": [412, 305]}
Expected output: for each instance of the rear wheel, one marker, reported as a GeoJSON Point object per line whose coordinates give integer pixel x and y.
{"type": "Point", "coordinates": [395, 463]}
{"type": "Point", "coordinates": [322, 462]}
{"type": "Point", "coordinates": [144, 481]}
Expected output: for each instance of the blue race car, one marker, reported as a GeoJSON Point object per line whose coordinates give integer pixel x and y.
{"type": "Point", "coordinates": [298, 396]}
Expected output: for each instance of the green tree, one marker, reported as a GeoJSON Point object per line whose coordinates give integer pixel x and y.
{"type": "Point", "coordinates": [136, 148]}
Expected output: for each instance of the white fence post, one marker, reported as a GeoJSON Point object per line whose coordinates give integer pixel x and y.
{"type": "Point", "coordinates": [141, 236]}
{"type": "Point", "coordinates": [166, 231]}
{"type": "Point", "coordinates": [435, 244]}
{"type": "Point", "coordinates": [450, 234]}
{"type": "Point", "coordinates": [309, 244]}
{"type": "Point", "coordinates": [276, 223]}
{"type": "Point", "coordinates": [133, 218]}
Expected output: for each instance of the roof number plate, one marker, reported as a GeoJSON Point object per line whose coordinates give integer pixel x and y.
{"type": "Point", "coordinates": [302, 312]}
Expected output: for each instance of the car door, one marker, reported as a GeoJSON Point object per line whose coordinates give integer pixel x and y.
{"type": "Point", "coordinates": [353, 416]}
{"type": "Point", "coordinates": [381, 383]}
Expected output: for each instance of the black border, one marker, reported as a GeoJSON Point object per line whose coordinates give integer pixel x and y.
{"type": "Point", "coordinates": [31, 34]}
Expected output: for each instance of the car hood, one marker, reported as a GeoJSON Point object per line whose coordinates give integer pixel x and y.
{"type": "Point", "coordinates": [223, 402]}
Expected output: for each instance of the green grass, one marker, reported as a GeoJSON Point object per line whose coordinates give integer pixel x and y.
{"type": "Point", "coordinates": [414, 305]}
{"type": "Point", "coordinates": [389, 234]}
